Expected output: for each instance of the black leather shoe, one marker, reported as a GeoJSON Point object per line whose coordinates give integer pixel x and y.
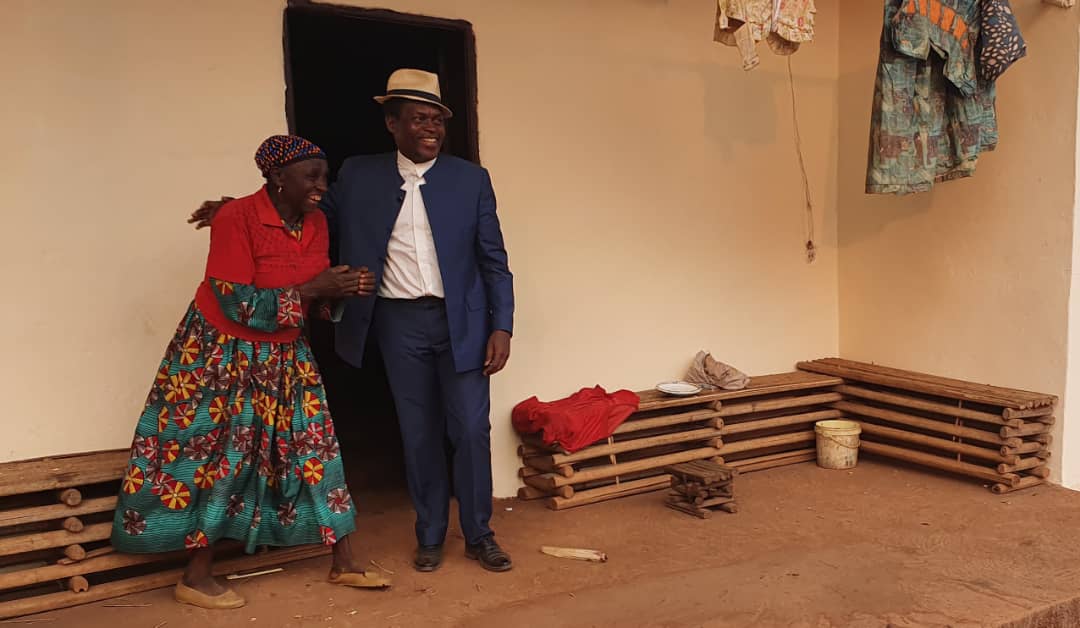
{"type": "Point", "coordinates": [490, 555]}
{"type": "Point", "coordinates": [428, 558]}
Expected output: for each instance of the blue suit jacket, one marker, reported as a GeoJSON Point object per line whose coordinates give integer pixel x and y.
{"type": "Point", "coordinates": [361, 208]}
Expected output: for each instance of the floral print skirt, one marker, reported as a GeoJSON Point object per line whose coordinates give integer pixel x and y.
{"type": "Point", "coordinates": [235, 442]}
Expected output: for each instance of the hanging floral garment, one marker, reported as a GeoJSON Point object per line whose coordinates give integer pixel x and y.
{"type": "Point", "coordinates": [783, 24]}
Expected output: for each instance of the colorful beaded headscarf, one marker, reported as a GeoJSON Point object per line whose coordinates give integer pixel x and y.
{"type": "Point", "coordinates": [281, 150]}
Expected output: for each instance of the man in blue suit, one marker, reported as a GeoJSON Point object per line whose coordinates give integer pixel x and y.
{"type": "Point", "coordinates": [443, 315]}
{"type": "Point", "coordinates": [444, 311]}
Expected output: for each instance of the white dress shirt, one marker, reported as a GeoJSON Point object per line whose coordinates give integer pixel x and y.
{"type": "Point", "coordinates": [412, 267]}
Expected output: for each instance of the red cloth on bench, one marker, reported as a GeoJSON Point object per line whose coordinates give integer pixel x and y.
{"type": "Point", "coordinates": [577, 421]}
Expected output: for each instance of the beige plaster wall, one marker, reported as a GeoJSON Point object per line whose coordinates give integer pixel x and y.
{"type": "Point", "coordinates": [648, 187]}
{"type": "Point", "coordinates": [121, 115]}
{"type": "Point", "coordinates": [972, 279]}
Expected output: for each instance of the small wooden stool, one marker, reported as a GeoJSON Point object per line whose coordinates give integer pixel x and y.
{"type": "Point", "coordinates": [701, 486]}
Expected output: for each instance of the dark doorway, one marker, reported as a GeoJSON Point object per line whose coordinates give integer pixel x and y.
{"type": "Point", "coordinates": [336, 60]}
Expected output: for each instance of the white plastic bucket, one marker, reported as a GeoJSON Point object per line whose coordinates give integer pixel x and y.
{"type": "Point", "coordinates": [837, 444]}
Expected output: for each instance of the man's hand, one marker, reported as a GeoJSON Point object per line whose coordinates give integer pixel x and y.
{"type": "Point", "coordinates": [202, 216]}
{"type": "Point", "coordinates": [367, 282]}
{"type": "Point", "coordinates": [498, 352]}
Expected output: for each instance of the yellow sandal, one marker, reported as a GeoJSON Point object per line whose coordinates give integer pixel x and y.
{"type": "Point", "coordinates": [227, 600]}
{"type": "Point", "coordinates": [360, 580]}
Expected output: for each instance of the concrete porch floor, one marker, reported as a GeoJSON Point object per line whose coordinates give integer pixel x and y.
{"type": "Point", "coordinates": [877, 546]}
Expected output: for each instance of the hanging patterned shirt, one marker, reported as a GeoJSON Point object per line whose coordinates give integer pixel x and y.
{"type": "Point", "coordinates": [784, 24]}
{"type": "Point", "coordinates": [945, 27]}
{"type": "Point", "coordinates": [931, 117]}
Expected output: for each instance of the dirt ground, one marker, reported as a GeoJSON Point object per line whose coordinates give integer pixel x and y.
{"type": "Point", "coordinates": [877, 546]}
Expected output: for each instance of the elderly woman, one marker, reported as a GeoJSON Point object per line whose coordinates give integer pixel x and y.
{"type": "Point", "coordinates": [236, 441]}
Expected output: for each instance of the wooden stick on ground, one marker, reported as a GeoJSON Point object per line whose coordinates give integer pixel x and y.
{"type": "Point", "coordinates": [253, 574]}
{"type": "Point", "coordinates": [572, 553]}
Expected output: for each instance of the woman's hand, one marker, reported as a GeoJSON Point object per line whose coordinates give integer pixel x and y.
{"type": "Point", "coordinates": [336, 283]}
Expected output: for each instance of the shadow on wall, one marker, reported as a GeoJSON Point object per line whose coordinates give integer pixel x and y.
{"type": "Point", "coordinates": [755, 109]}
{"type": "Point", "coordinates": [741, 107]}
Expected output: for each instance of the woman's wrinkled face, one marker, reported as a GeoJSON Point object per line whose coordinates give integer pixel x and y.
{"type": "Point", "coordinates": [302, 184]}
